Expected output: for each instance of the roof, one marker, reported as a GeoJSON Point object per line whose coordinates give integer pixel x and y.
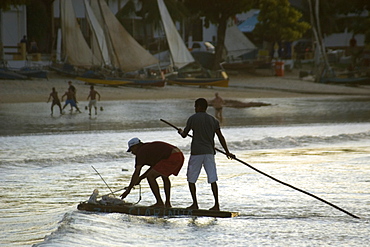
{"type": "Point", "coordinates": [249, 24]}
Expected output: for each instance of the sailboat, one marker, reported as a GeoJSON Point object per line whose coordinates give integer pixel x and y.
{"type": "Point", "coordinates": [188, 72]}
{"type": "Point", "coordinates": [112, 53]}
{"type": "Point", "coordinates": [121, 52]}
{"type": "Point", "coordinates": [237, 45]}
{"type": "Point", "coordinates": [77, 55]}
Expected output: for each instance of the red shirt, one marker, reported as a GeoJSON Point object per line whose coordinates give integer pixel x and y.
{"type": "Point", "coordinates": [150, 153]}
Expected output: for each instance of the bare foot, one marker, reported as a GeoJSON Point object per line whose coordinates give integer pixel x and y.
{"type": "Point", "coordinates": [157, 205]}
{"type": "Point", "coordinates": [193, 206]}
{"type": "Point", "coordinates": [168, 205]}
{"type": "Point", "coordinates": [215, 208]}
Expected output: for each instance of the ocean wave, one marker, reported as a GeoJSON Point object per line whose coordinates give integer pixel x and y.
{"type": "Point", "coordinates": [296, 141]}
{"type": "Point", "coordinates": [233, 145]}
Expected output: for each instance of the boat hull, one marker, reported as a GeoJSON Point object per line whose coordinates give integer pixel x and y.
{"type": "Point", "coordinates": [10, 75]}
{"type": "Point", "coordinates": [124, 81]}
{"type": "Point", "coordinates": [153, 211]}
{"type": "Point", "coordinates": [353, 81]}
{"type": "Point", "coordinates": [217, 82]}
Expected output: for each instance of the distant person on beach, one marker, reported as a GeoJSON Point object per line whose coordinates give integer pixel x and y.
{"type": "Point", "coordinates": [204, 127]}
{"type": "Point", "coordinates": [71, 87]}
{"type": "Point", "coordinates": [218, 103]}
{"type": "Point", "coordinates": [92, 97]}
{"type": "Point", "coordinates": [24, 39]}
{"type": "Point", "coordinates": [164, 160]}
{"type": "Point", "coordinates": [25, 42]}
{"type": "Point", "coordinates": [70, 99]}
{"type": "Point", "coordinates": [56, 101]}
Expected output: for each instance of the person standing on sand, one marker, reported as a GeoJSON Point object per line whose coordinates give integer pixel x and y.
{"type": "Point", "coordinates": [56, 101]}
{"type": "Point", "coordinates": [70, 86]}
{"type": "Point", "coordinates": [92, 96]}
{"type": "Point", "coordinates": [218, 103]}
{"type": "Point", "coordinates": [70, 99]}
{"type": "Point", "coordinates": [204, 128]}
{"type": "Point", "coordinates": [164, 160]}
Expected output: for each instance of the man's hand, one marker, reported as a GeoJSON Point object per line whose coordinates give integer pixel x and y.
{"type": "Point", "coordinates": [181, 132]}
{"type": "Point", "coordinates": [124, 194]}
{"type": "Point", "coordinates": [230, 156]}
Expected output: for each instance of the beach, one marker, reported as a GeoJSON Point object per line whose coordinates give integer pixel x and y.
{"type": "Point", "coordinates": [242, 85]}
{"type": "Point", "coordinates": [311, 135]}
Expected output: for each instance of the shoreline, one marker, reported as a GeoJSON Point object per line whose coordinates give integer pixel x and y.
{"type": "Point", "coordinates": [241, 86]}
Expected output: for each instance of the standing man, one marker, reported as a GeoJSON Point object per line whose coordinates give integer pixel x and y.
{"type": "Point", "coordinates": [218, 103]}
{"type": "Point", "coordinates": [70, 99]}
{"type": "Point", "coordinates": [92, 101]}
{"type": "Point", "coordinates": [56, 101]}
{"type": "Point", "coordinates": [73, 89]}
{"type": "Point", "coordinates": [204, 128]}
{"type": "Point", "coordinates": [164, 159]}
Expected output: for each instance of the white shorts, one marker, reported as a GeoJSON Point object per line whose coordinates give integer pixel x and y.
{"type": "Point", "coordinates": [195, 165]}
{"type": "Point", "coordinates": [92, 103]}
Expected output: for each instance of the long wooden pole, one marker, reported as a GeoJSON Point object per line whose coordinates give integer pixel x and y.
{"type": "Point", "coordinates": [277, 180]}
{"type": "Point", "coordinates": [104, 181]}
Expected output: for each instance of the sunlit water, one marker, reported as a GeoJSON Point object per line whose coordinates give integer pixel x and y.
{"type": "Point", "coordinates": [321, 146]}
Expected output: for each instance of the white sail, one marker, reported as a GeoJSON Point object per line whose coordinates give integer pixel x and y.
{"type": "Point", "coordinates": [236, 42]}
{"type": "Point", "coordinates": [180, 53]}
{"type": "Point", "coordinates": [129, 54]}
{"type": "Point", "coordinates": [99, 41]}
{"type": "Point", "coordinates": [75, 48]}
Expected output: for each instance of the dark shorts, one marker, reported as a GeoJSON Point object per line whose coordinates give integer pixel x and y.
{"type": "Point", "coordinates": [56, 102]}
{"type": "Point", "coordinates": [71, 101]}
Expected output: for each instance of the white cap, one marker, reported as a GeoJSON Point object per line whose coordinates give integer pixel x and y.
{"type": "Point", "coordinates": [134, 141]}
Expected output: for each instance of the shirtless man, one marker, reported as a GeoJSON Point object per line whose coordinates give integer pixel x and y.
{"type": "Point", "coordinates": [92, 97]}
{"type": "Point", "coordinates": [56, 101]}
{"type": "Point", "coordinates": [70, 99]}
{"type": "Point", "coordinates": [217, 103]}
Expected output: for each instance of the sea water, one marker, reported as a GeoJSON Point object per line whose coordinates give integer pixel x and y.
{"type": "Point", "coordinates": [319, 145]}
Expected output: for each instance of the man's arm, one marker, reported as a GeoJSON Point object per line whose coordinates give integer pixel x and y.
{"type": "Point", "coordinates": [134, 180]}
{"type": "Point", "coordinates": [222, 140]}
{"type": "Point", "coordinates": [182, 133]}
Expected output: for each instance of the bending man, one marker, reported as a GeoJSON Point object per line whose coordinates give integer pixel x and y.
{"type": "Point", "coordinates": [164, 160]}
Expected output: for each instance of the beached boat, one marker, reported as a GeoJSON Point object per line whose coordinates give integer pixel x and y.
{"type": "Point", "coordinates": [238, 47]}
{"type": "Point", "coordinates": [347, 80]}
{"type": "Point", "coordinates": [33, 72]}
{"type": "Point", "coordinates": [7, 74]}
{"type": "Point", "coordinates": [128, 208]}
{"type": "Point", "coordinates": [186, 71]}
{"type": "Point", "coordinates": [193, 81]}
{"type": "Point", "coordinates": [144, 82]}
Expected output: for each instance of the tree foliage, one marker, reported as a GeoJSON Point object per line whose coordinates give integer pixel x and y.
{"type": "Point", "coordinates": [218, 12]}
{"type": "Point", "coordinates": [5, 4]}
{"type": "Point", "coordinates": [279, 21]}
{"type": "Point", "coordinates": [148, 10]}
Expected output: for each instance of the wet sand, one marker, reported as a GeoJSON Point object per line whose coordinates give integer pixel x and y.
{"type": "Point", "coordinates": [261, 84]}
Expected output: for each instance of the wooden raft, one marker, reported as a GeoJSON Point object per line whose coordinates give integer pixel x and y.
{"type": "Point", "coordinates": [131, 209]}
